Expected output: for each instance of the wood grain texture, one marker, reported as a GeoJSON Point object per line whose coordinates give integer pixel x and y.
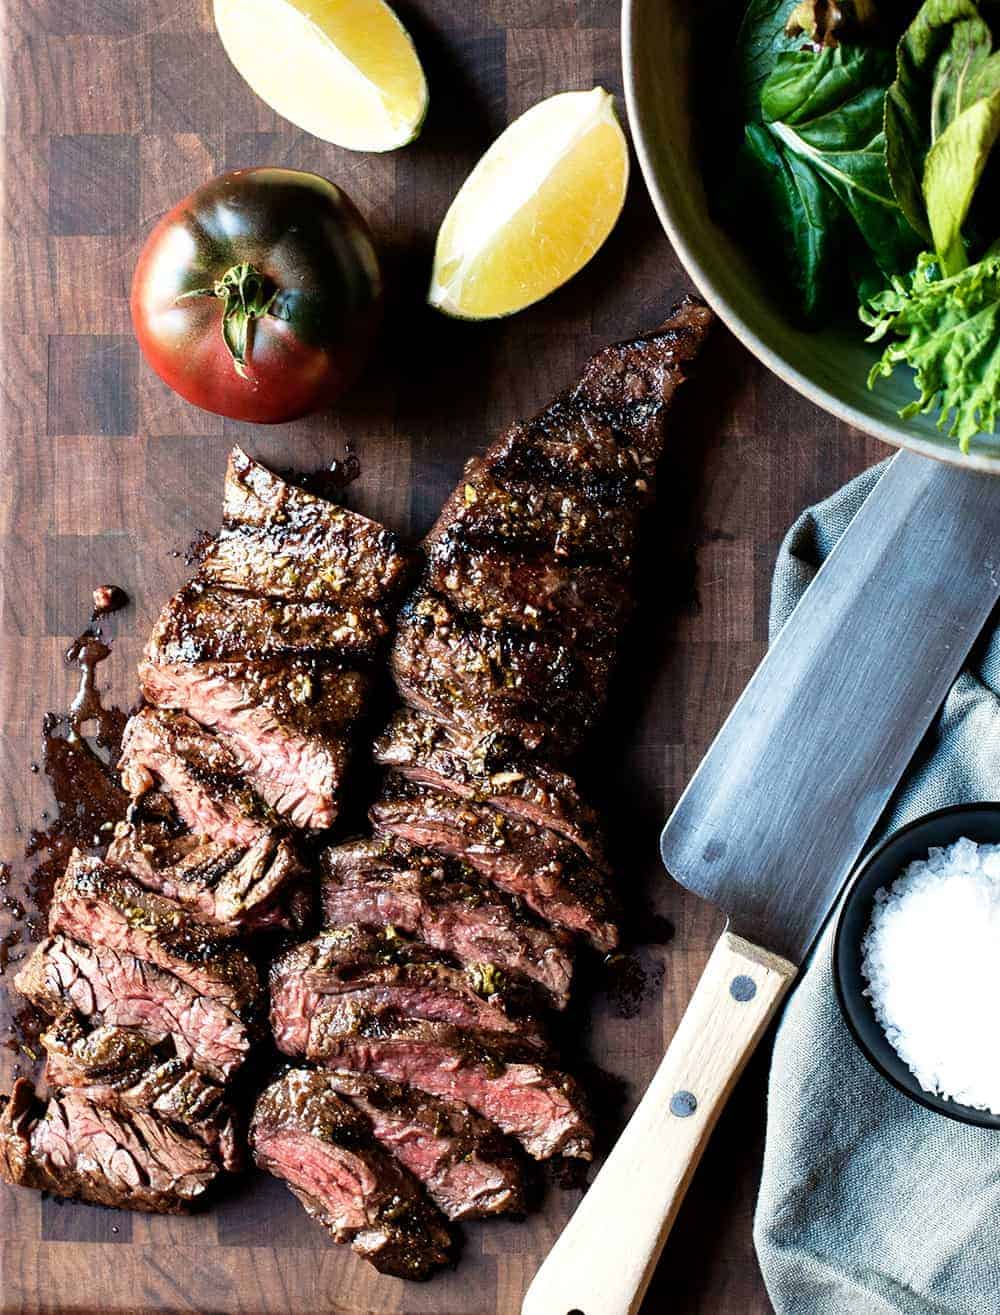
{"type": "Point", "coordinates": [116, 108]}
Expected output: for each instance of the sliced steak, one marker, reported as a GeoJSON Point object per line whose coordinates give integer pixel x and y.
{"type": "Point", "coordinates": [530, 1101]}
{"type": "Point", "coordinates": [531, 518]}
{"type": "Point", "coordinates": [586, 606]}
{"type": "Point", "coordinates": [114, 988]}
{"type": "Point", "coordinates": [466, 1165]}
{"type": "Point", "coordinates": [117, 1067]}
{"type": "Point", "coordinates": [532, 688]}
{"type": "Point", "coordinates": [283, 542]}
{"type": "Point", "coordinates": [569, 446]}
{"type": "Point", "coordinates": [202, 623]}
{"type": "Point", "coordinates": [285, 721]}
{"type": "Point", "coordinates": [547, 871]}
{"type": "Point", "coordinates": [169, 752]}
{"type": "Point", "coordinates": [228, 887]}
{"type": "Point", "coordinates": [322, 1147]}
{"type": "Point", "coordinates": [349, 967]}
{"type": "Point", "coordinates": [72, 1147]}
{"type": "Point", "coordinates": [99, 905]}
{"type": "Point", "coordinates": [492, 770]}
{"type": "Point", "coordinates": [387, 883]}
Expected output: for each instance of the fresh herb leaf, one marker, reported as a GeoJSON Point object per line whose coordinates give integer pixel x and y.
{"type": "Point", "coordinates": [948, 330]}
{"type": "Point", "coordinates": [762, 37]}
{"type": "Point", "coordinates": [944, 65]}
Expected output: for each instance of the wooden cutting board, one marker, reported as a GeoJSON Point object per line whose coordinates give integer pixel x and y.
{"type": "Point", "coordinates": [117, 108]}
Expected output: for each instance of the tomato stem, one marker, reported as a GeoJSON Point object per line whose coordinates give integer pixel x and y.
{"type": "Point", "coordinates": [243, 290]}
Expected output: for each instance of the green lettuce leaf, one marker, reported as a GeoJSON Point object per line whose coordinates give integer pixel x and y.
{"type": "Point", "coordinates": [947, 329]}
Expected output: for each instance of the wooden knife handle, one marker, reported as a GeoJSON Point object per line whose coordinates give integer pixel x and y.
{"type": "Point", "coordinates": [604, 1259]}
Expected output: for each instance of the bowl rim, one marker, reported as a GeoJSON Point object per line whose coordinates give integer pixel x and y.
{"type": "Point", "coordinates": [950, 1109]}
{"type": "Point", "coordinates": [731, 318]}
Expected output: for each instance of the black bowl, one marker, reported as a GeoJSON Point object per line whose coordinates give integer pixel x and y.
{"type": "Point", "coordinates": [978, 822]}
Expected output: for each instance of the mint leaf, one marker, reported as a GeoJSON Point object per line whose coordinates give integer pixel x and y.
{"type": "Point", "coordinates": [948, 330]}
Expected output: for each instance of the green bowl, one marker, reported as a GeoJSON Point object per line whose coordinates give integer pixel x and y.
{"type": "Point", "coordinates": [829, 367]}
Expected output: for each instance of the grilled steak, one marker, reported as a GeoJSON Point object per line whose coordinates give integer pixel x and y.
{"type": "Point", "coordinates": [111, 987]}
{"type": "Point", "coordinates": [197, 772]}
{"type": "Point", "coordinates": [479, 681]}
{"type": "Point", "coordinates": [530, 1101]}
{"type": "Point", "coordinates": [284, 721]}
{"type": "Point", "coordinates": [202, 623]}
{"type": "Point", "coordinates": [347, 968]}
{"type": "Point", "coordinates": [322, 1147]}
{"type": "Point", "coordinates": [280, 541]}
{"type": "Point", "coordinates": [119, 1068]}
{"type": "Point", "coordinates": [491, 769]}
{"type": "Point", "coordinates": [100, 905]}
{"type": "Point", "coordinates": [547, 871]}
{"type": "Point", "coordinates": [387, 883]}
{"type": "Point", "coordinates": [72, 1147]}
{"type": "Point", "coordinates": [466, 1166]}
{"type": "Point", "coordinates": [227, 887]}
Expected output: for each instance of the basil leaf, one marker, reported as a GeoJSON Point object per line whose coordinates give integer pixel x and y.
{"type": "Point", "coordinates": [762, 37]}
{"type": "Point", "coordinates": [825, 113]}
{"type": "Point", "coordinates": [944, 64]}
{"type": "Point", "coordinates": [948, 331]}
{"type": "Point", "coordinates": [951, 174]}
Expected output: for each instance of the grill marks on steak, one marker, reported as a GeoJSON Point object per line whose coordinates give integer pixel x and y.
{"type": "Point", "coordinates": [548, 872]}
{"type": "Point", "coordinates": [497, 1076]}
{"type": "Point", "coordinates": [202, 623]}
{"type": "Point", "coordinates": [114, 988]}
{"type": "Point", "coordinates": [169, 752]}
{"type": "Point", "coordinates": [282, 542]}
{"type": "Point", "coordinates": [227, 887]}
{"type": "Point", "coordinates": [323, 1148]}
{"type": "Point", "coordinates": [344, 969]}
{"type": "Point", "coordinates": [119, 1068]}
{"type": "Point", "coordinates": [96, 903]}
{"type": "Point", "coordinates": [493, 770]}
{"type": "Point", "coordinates": [387, 883]}
{"type": "Point", "coordinates": [76, 1148]}
{"type": "Point", "coordinates": [285, 722]}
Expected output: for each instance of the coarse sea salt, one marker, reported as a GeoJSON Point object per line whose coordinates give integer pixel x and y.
{"type": "Point", "coordinates": [931, 957]}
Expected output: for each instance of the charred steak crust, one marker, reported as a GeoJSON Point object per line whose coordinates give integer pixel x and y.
{"type": "Point", "coordinates": [75, 1148]}
{"type": "Point", "coordinates": [96, 903]}
{"type": "Point", "coordinates": [387, 883]}
{"type": "Point", "coordinates": [303, 1132]}
{"type": "Point", "coordinates": [498, 1076]}
{"type": "Point", "coordinates": [547, 871]}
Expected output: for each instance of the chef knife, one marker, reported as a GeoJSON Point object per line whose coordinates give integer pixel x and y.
{"type": "Point", "coordinates": [771, 825]}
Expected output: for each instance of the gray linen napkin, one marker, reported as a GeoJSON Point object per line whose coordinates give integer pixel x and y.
{"type": "Point", "coordinates": [869, 1204]}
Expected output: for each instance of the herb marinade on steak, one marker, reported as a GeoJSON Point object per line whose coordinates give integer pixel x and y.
{"type": "Point", "coordinates": [253, 679]}
{"type": "Point", "coordinates": [487, 867]}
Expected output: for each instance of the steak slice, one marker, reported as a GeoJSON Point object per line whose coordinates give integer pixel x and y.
{"type": "Point", "coordinates": [387, 883]}
{"type": "Point", "coordinates": [348, 967]}
{"type": "Point", "coordinates": [468, 1168]}
{"type": "Point", "coordinates": [532, 688]}
{"type": "Point", "coordinates": [322, 1147]}
{"type": "Point", "coordinates": [491, 770]}
{"type": "Point", "coordinates": [526, 1098]}
{"type": "Point", "coordinates": [202, 623]}
{"type": "Point", "coordinates": [547, 871]}
{"type": "Point", "coordinates": [116, 989]}
{"type": "Point", "coordinates": [284, 721]}
{"type": "Point", "coordinates": [74, 1148]}
{"type": "Point", "coordinates": [119, 1068]}
{"type": "Point", "coordinates": [530, 518]}
{"type": "Point", "coordinates": [197, 772]}
{"type": "Point", "coordinates": [281, 541]}
{"type": "Point", "coordinates": [585, 605]}
{"type": "Point", "coordinates": [101, 906]}
{"type": "Point", "coordinates": [230, 888]}
{"type": "Point", "coordinates": [569, 446]}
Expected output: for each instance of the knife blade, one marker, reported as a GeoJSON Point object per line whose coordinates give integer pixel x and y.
{"type": "Point", "coordinates": [771, 825]}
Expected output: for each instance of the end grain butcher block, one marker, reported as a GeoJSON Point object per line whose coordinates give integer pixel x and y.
{"type": "Point", "coordinates": [115, 110]}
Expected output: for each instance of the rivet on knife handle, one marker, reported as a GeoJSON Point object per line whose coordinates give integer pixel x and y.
{"type": "Point", "coordinates": [602, 1263]}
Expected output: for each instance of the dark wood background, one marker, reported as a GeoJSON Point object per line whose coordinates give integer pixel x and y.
{"type": "Point", "coordinates": [114, 110]}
